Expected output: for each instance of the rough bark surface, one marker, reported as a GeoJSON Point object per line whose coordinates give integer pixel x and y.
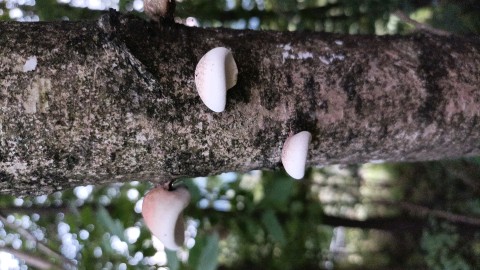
{"type": "Point", "coordinates": [114, 100]}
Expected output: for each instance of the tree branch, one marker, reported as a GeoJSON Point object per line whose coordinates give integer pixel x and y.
{"type": "Point", "coordinates": [115, 100]}
{"type": "Point", "coordinates": [420, 26]}
{"type": "Point", "coordinates": [204, 12]}
{"type": "Point", "coordinates": [30, 260]}
{"type": "Point", "coordinates": [423, 211]}
{"type": "Point", "coordinates": [41, 247]}
{"type": "Point", "coordinates": [41, 210]}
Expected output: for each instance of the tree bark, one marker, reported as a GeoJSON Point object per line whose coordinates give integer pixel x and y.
{"type": "Point", "coordinates": [114, 100]}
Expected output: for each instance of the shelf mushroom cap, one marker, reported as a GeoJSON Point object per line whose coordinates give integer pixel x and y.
{"type": "Point", "coordinates": [216, 72]}
{"type": "Point", "coordinates": [162, 212]}
{"type": "Point", "coordinates": [294, 154]}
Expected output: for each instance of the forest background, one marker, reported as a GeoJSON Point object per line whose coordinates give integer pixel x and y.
{"type": "Point", "coordinates": [363, 216]}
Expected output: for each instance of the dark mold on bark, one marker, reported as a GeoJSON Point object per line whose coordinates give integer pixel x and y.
{"type": "Point", "coordinates": [433, 62]}
{"type": "Point", "coordinates": [270, 99]}
{"type": "Point", "coordinates": [6, 178]}
{"type": "Point", "coordinates": [350, 81]}
{"type": "Point", "coordinates": [311, 88]}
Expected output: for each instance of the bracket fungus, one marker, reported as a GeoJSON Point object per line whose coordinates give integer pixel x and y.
{"type": "Point", "coordinates": [216, 72]}
{"type": "Point", "coordinates": [294, 154]}
{"type": "Point", "coordinates": [162, 212]}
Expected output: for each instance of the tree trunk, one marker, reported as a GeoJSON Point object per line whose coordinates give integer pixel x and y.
{"type": "Point", "coordinates": [115, 100]}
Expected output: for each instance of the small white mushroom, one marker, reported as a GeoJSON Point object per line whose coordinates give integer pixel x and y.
{"type": "Point", "coordinates": [162, 212]}
{"type": "Point", "coordinates": [191, 21]}
{"type": "Point", "coordinates": [216, 72]}
{"type": "Point", "coordinates": [294, 154]}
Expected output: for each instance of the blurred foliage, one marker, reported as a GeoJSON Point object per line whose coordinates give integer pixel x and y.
{"type": "Point", "coordinates": [340, 16]}
{"type": "Point", "coordinates": [439, 241]}
{"type": "Point", "coordinates": [425, 214]}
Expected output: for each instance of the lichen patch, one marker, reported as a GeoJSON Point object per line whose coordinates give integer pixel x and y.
{"type": "Point", "coordinates": [30, 64]}
{"type": "Point", "coordinates": [37, 96]}
{"type": "Point", "coordinates": [14, 168]}
{"type": "Point", "coordinates": [33, 97]}
{"type": "Point", "coordinates": [289, 53]}
{"type": "Point", "coordinates": [329, 58]}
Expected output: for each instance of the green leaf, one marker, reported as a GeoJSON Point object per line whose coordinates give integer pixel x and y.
{"type": "Point", "coordinates": [278, 191]}
{"type": "Point", "coordinates": [113, 226]}
{"type": "Point", "coordinates": [274, 229]}
{"type": "Point", "coordinates": [87, 215]}
{"type": "Point", "coordinates": [209, 255]}
{"type": "Point", "coordinates": [106, 245]}
{"type": "Point", "coordinates": [172, 260]}
{"type": "Point", "coordinates": [196, 251]}
{"type": "Point", "coordinates": [195, 192]}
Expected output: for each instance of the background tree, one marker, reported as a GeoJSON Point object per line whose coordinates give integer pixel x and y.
{"type": "Point", "coordinates": [409, 215]}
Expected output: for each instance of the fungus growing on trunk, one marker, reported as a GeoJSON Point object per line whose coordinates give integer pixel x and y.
{"type": "Point", "coordinates": [216, 72]}
{"type": "Point", "coordinates": [162, 211]}
{"type": "Point", "coordinates": [294, 154]}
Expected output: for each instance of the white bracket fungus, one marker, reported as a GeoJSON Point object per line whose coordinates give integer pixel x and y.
{"type": "Point", "coordinates": [216, 72]}
{"type": "Point", "coordinates": [294, 154]}
{"type": "Point", "coordinates": [162, 212]}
